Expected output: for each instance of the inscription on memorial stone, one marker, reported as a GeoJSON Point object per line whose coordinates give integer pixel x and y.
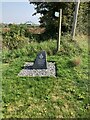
{"type": "Point", "coordinates": [40, 61]}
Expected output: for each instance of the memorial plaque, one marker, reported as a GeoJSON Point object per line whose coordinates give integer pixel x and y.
{"type": "Point", "coordinates": [40, 61]}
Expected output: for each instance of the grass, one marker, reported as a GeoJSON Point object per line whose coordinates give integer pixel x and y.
{"type": "Point", "coordinates": [65, 96]}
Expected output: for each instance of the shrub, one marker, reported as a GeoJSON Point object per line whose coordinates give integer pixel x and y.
{"type": "Point", "coordinates": [15, 42]}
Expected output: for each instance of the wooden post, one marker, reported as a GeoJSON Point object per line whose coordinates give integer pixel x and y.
{"type": "Point", "coordinates": [60, 19]}
{"type": "Point", "coordinates": [75, 19]}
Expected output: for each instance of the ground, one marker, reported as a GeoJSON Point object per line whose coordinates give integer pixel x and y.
{"type": "Point", "coordinates": [65, 96]}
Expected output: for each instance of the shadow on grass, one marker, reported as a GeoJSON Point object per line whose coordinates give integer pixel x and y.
{"type": "Point", "coordinates": [70, 64]}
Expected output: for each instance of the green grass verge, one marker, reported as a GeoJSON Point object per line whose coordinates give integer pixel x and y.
{"type": "Point", "coordinates": [65, 96]}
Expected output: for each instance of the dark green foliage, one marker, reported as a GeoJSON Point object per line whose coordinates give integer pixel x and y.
{"type": "Point", "coordinates": [83, 22]}
{"type": "Point", "coordinates": [50, 21]}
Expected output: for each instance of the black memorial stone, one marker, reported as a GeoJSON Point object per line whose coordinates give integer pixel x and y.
{"type": "Point", "coordinates": [40, 61]}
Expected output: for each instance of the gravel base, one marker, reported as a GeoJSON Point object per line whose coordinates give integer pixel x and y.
{"type": "Point", "coordinates": [28, 71]}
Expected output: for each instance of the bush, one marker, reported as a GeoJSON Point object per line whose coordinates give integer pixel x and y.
{"type": "Point", "coordinates": [15, 42]}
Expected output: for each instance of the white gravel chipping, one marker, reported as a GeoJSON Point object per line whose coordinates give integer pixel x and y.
{"type": "Point", "coordinates": [28, 71]}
